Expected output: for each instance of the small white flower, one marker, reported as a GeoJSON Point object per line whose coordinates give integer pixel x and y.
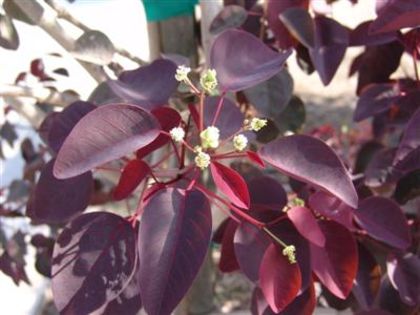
{"type": "Point", "coordinates": [177, 134]}
{"type": "Point", "coordinates": [290, 252]}
{"type": "Point", "coordinates": [202, 160]}
{"type": "Point", "coordinates": [257, 124]}
{"type": "Point", "coordinates": [182, 73]}
{"type": "Point", "coordinates": [240, 142]}
{"type": "Point", "coordinates": [210, 137]}
{"type": "Point", "coordinates": [208, 80]}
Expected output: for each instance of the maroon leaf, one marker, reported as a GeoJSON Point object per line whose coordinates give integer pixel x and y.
{"type": "Point", "coordinates": [266, 193]}
{"type": "Point", "coordinates": [250, 246]}
{"type": "Point", "coordinates": [395, 15]}
{"type": "Point", "coordinates": [231, 184]}
{"type": "Point", "coordinates": [335, 264]}
{"type": "Point", "coordinates": [280, 280]}
{"type": "Point", "coordinates": [148, 86]}
{"type": "Point", "coordinates": [306, 224]}
{"type": "Point", "coordinates": [241, 60]}
{"type": "Point", "coordinates": [174, 236]}
{"type": "Point", "coordinates": [407, 156]}
{"type": "Point", "coordinates": [360, 36]}
{"type": "Point", "coordinates": [332, 207]}
{"type": "Point", "coordinates": [64, 122]}
{"type": "Point", "coordinates": [368, 279]}
{"type": "Point", "coordinates": [254, 157]}
{"type": "Point", "coordinates": [383, 219]}
{"type": "Point", "coordinates": [106, 133]}
{"type": "Point", "coordinates": [132, 175]}
{"type": "Point", "coordinates": [94, 259]}
{"type": "Point", "coordinates": [331, 41]}
{"type": "Point", "coordinates": [323, 169]}
{"type": "Point", "coordinates": [57, 200]}
{"type": "Point", "coordinates": [228, 261]}
{"type": "Point", "coordinates": [230, 118]}
{"type": "Point", "coordinates": [404, 274]}
{"type": "Point", "coordinates": [274, 9]}
{"type": "Point", "coordinates": [168, 119]}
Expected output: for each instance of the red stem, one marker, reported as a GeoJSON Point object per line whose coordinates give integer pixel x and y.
{"type": "Point", "coordinates": [201, 127]}
{"type": "Point", "coordinates": [219, 107]}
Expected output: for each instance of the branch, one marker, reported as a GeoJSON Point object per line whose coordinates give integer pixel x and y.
{"type": "Point", "coordinates": [63, 13]}
{"type": "Point", "coordinates": [46, 18]}
{"type": "Point", "coordinates": [40, 94]}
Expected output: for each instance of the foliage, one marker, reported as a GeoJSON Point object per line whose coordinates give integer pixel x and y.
{"type": "Point", "coordinates": [339, 221]}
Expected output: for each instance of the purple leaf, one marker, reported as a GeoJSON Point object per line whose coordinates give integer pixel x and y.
{"type": "Point", "coordinates": [280, 280]}
{"type": "Point", "coordinates": [231, 184]}
{"type": "Point", "coordinates": [395, 15]}
{"type": "Point", "coordinates": [57, 200]}
{"type": "Point", "coordinates": [375, 99]}
{"type": "Point", "coordinates": [368, 278]}
{"type": "Point", "coordinates": [335, 264]}
{"type": "Point", "coordinates": [300, 24]}
{"type": "Point", "coordinates": [174, 236]}
{"type": "Point", "coordinates": [383, 219]}
{"type": "Point", "coordinates": [312, 161]}
{"type": "Point", "coordinates": [379, 170]}
{"type": "Point", "coordinates": [331, 41]}
{"type": "Point", "coordinates": [241, 60]}
{"type": "Point", "coordinates": [148, 86]}
{"type": "Point", "coordinates": [407, 156]}
{"type": "Point", "coordinates": [106, 133]}
{"type": "Point", "coordinates": [266, 193]}
{"type": "Point", "coordinates": [250, 246]}
{"type": "Point", "coordinates": [274, 9]}
{"type": "Point", "coordinates": [230, 118]}
{"type": "Point", "coordinates": [64, 122]}
{"type": "Point", "coordinates": [360, 36]}
{"type": "Point", "coordinates": [404, 274]}
{"type": "Point", "coordinates": [94, 259]}
{"type": "Point", "coordinates": [307, 225]}
{"type": "Point", "coordinates": [231, 16]}
{"type": "Point", "coordinates": [132, 175]}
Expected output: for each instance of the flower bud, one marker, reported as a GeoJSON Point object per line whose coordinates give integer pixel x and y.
{"type": "Point", "coordinates": [290, 252]}
{"type": "Point", "coordinates": [257, 124]}
{"type": "Point", "coordinates": [210, 137]}
{"type": "Point", "coordinates": [182, 73]}
{"type": "Point", "coordinates": [177, 134]}
{"type": "Point", "coordinates": [240, 142]}
{"type": "Point", "coordinates": [208, 80]}
{"type": "Point", "coordinates": [202, 160]}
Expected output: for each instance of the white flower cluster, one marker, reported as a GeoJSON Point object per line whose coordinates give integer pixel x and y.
{"type": "Point", "coordinates": [290, 252]}
{"type": "Point", "coordinates": [202, 159]}
{"type": "Point", "coordinates": [208, 80]}
{"type": "Point", "coordinates": [257, 124]}
{"type": "Point", "coordinates": [240, 142]}
{"type": "Point", "coordinates": [182, 73]}
{"type": "Point", "coordinates": [210, 137]}
{"type": "Point", "coordinates": [177, 134]}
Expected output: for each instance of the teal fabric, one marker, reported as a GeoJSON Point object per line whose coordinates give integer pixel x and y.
{"type": "Point", "coordinates": [157, 10]}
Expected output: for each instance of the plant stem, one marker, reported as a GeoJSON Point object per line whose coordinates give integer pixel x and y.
{"type": "Point", "coordinates": [219, 107]}
{"type": "Point", "coordinates": [201, 127]}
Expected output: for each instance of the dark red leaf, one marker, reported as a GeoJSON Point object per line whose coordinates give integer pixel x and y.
{"type": "Point", "coordinates": [231, 184]}
{"type": "Point", "coordinates": [266, 193]}
{"type": "Point", "coordinates": [64, 122]}
{"type": "Point", "coordinates": [38, 69]}
{"type": "Point", "coordinates": [331, 41]}
{"type": "Point", "coordinates": [383, 219]}
{"type": "Point", "coordinates": [148, 86]}
{"type": "Point", "coordinates": [250, 246]}
{"type": "Point", "coordinates": [395, 15]}
{"type": "Point", "coordinates": [368, 279]}
{"type": "Point", "coordinates": [57, 200]}
{"type": "Point", "coordinates": [132, 175]}
{"type": "Point", "coordinates": [174, 236]}
{"type": "Point", "coordinates": [280, 280]}
{"type": "Point", "coordinates": [228, 261]}
{"type": "Point", "coordinates": [404, 274]}
{"type": "Point", "coordinates": [323, 169]}
{"type": "Point", "coordinates": [220, 231]}
{"type": "Point", "coordinates": [335, 264]}
{"type": "Point", "coordinates": [332, 207]}
{"type": "Point", "coordinates": [307, 225]}
{"type": "Point", "coordinates": [94, 259]}
{"type": "Point", "coordinates": [360, 36]}
{"type": "Point", "coordinates": [168, 119]}
{"type": "Point", "coordinates": [106, 133]}
{"type": "Point", "coordinates": [242, 60]}
{"type": "Point", "coordinates": [254, 157]}
{"type": "Point", "coordinates": [407, 156]}
{"type": "Point", "coordinates": [274, 9]}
